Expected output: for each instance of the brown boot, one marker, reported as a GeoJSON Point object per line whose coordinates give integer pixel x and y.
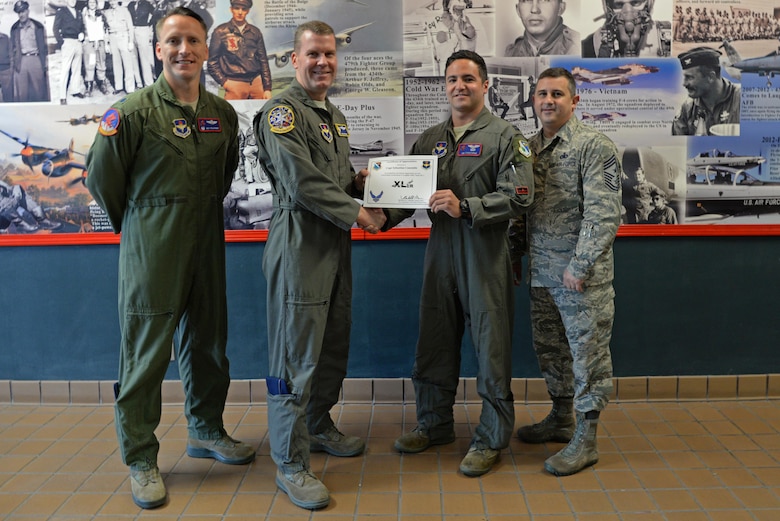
{"type": "Point", "coordinates": [556, 426]}
{"type": "Point", "coordinates": [581, 452]}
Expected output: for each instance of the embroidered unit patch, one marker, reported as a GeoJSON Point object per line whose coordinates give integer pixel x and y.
{"type": "Point", "coordinates": [281, 119]}
{"type": "Point", "coordinates": [109, 124]}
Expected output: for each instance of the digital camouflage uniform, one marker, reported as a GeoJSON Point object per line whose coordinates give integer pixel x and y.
{"type": "Point", "coordinates": [572, 225]}
{"type": "Point", "coordinates": [562, 40]}
{"type": "Point", "coordinates": [467, 274]}
{"type": "Point", "coordinates": [695, 119]}
{"type": "Point", "coordinates": [307, 262]}
{"type": "Point", "coordinates": [160, 171]}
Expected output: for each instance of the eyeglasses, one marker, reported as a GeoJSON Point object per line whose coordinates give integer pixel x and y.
{"type": "Point", "coordinates": [532, 1]}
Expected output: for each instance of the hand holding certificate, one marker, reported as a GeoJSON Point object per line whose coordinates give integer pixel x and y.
{"type": "Point", "coordinates": [400, 182]}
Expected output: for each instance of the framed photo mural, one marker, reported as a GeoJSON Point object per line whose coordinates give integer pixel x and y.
{"type": "Point", "coordinates": [688, 89]}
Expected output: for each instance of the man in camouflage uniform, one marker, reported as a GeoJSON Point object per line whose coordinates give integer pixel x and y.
{"type": "Point", "coordinates": [571, 228]}
{"type": "Point", "coordinates": [712, 99]}
{"type": "Point", "coordinates": [485, 178]}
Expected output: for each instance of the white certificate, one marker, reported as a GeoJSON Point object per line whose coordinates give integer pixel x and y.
{"type": "Point", "coordinates": [400, 182]}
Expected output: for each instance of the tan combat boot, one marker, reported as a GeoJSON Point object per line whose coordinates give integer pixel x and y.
{"type": "Point", "coordinates": [581, 451]}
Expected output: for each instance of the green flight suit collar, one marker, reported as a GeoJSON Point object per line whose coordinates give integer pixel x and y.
{"type": "Point", "coordinates": [482, 120]}
{"type": "Point", "coordinates": [164, 90]}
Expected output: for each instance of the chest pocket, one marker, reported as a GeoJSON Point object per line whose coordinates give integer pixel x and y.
{"type": "Point", "coordinates": [159, 142]}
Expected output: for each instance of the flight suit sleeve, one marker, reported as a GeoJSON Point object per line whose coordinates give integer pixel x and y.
{"type": "Point", "coordinates": [601, 172]}
{"type": "Point", "coordinates": [514, 184]}
{"type": "Point", "coordinates": [109, 163]}
{"type": "Point", "coordinates": [233, 153]}
{"type": "Point", "coordinates": [294, 162]}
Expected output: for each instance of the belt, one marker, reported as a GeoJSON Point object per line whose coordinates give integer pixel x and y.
{"type": "Point", "coordinates": [34, 53]}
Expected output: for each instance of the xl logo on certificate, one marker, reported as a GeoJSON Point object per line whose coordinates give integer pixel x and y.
{"type": "Point", "coordinates": [400, 182]}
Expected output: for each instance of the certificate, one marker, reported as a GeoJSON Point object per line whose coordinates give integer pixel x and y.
{"type": "Point", "coordinates": [400, 182]}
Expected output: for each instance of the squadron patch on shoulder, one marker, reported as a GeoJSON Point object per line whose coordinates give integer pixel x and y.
{"type": "Point", "coordinates": [109, 124]}
{"type": "Point", "coordinates": [281, 119]}
{"type": "Point", "coordinates": [522, 150]}
{"type": "Point", "coordinates": [611, 174]}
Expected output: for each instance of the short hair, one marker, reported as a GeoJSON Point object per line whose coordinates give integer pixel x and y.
{"type": "Point", "coordinates": [315, 26]}
{"type": "Point", "coordinates": [471, 56]}
{"type": "Point", "coordinates": [180, 11]}
{"type": "Point", "coordinates": [560, 72]}
{"type": "Point", "coordinates": [659, 193]}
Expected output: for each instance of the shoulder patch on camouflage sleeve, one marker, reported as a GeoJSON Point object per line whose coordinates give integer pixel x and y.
{"type": "Point", "coordinates": [521, 148]}
{"type": "Point", "coordinates": [281, 119]}
{"type": "Point", "coordinates": [611, 174]}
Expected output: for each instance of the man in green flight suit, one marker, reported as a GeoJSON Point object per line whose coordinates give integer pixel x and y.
{"type": "Point", "coordinates": [307, 261]}
{"type": "Point", "coordinates": [485, 177]}
{"type": "Point", "coordinates": [160, 165]}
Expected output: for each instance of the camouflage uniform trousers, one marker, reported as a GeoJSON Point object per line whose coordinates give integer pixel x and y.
{"type": "Point", "coordinates": [571, 335]}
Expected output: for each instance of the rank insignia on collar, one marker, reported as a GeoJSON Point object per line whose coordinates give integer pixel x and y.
{"type": "Point", "coordinates": [209, 125]}
{"type": "Point", "coordinates": [109, 125]}
{"type": "Point", "coordinates": [181, 128]}
{"type": "Point", "coordinates": [440, 149]}
{"type": "Point", "coordinates": [326, 133]}
{"type": "Point", "coordinates": [469, 150]}
{"type": "Point", "coordinates": [342, 130]}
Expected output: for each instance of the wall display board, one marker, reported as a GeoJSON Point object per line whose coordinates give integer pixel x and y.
{"type": "Point", "coordinates": [686, 88]}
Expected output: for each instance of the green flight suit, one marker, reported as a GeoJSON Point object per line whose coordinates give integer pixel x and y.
{"type": "Point", "coordinates": [467, 274]}
{"type": "Point", "coordinates": [161, 171]}
{"type": "Point", "coordinates": [307, 262]}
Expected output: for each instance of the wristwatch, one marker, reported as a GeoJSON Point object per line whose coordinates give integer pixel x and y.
{"type": "Point", "coordinates": [465, 210]}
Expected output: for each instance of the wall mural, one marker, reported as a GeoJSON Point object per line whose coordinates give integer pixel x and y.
{"type": "Point", "coordinates": [686, 88]}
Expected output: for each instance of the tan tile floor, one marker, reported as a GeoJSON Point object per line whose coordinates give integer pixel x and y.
{"type": "Point", "coordinates": [675, 461]}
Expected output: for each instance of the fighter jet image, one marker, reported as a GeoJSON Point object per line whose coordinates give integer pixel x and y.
{"type": "Point", "coordinates": [768, 65]}
{"type": "Point", "coordinates": [604, 116]}
{"type": "Point", "coordinates": [374, 147]}
{"type": "Point", "coordinates": [53, 162]}
{"type": "Point", "coordinates": [620, 75]}
{"type": "Point", "coordinates": [82, 120]}
{"type": "Point", "coordinates": [719, 183]}
{"type": "Point", "coordinates": [343, 39]}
